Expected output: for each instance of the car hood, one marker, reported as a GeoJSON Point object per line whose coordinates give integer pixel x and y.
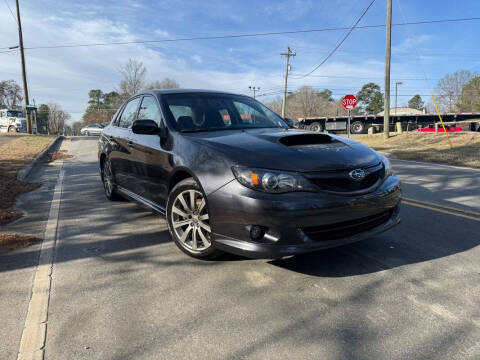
{"type": "Point", "coordinates": [294, 150]}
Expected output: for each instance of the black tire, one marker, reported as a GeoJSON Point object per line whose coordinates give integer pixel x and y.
{"type": "Point", "coordinates": [108, 181]}
{"type": "Point", "coordinates": [12, 129]}
{"type": "Point", "coordinates": [357, 127]}
{"type": "Point", "coordinates": [316, 126]}
{"type": "Point", "coordinates": [197, 241]}
{"type": "Point", "coordinates": [87, 133]}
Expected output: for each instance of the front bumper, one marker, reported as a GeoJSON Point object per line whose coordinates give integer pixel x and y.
{"type": "Point", "coordinates": [299, 222]}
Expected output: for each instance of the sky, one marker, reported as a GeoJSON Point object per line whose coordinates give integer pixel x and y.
{"type": "Point", "coordinates": [421, 54]}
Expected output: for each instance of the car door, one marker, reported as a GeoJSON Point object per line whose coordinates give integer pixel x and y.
{"type": "Point", "coordinates": [121, 138]}
{"type": "Point", "coordinates": [152, 160]}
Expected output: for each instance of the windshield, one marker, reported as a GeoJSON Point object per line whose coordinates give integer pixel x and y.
{"type": "Point", "coordinates": [14, 113]}
{"type": "Point", "coordinates": [193, 112]}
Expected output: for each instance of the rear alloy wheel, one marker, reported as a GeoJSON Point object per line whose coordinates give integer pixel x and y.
{"type": "Point", "coordinates": [189, 221]}
{"type": "Point", "coordinates": [317, 127]}
{"type": "Point", "coordinates": [109, 182]}
{"type": "Point", "coordinates": [357, 127]}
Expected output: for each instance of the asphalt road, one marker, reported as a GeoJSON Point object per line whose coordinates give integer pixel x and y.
{"type": "Point", "coordinates": [122, 290]}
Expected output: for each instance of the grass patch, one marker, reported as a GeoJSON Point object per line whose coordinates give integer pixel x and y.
{"type": "Point", "coordinates": [428, 147]}
{"type": "Point", "coordinates": [14, 241]}
{"type": "Point", "coordinates": [14, 156]}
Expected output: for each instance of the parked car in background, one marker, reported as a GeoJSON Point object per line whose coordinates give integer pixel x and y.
{"type": "Point", "coordinates": [92, 129]}
{"type": "Point", "coordinates": [230, 175]}
{"type": "Point", "coordinates": [12, 121]}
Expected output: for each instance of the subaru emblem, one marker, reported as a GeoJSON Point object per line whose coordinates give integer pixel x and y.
{"type": "Point", "coordinates": [357, 174]}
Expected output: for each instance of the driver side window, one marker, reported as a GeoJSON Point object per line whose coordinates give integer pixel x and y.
{"type": "Point", "coordinates": [149, 110]}
{"type": "Point", "coordinates": [129, 113]}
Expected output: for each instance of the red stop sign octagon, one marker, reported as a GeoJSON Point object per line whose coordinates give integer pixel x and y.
{"type": "Point", "coordinates": [349, 102]}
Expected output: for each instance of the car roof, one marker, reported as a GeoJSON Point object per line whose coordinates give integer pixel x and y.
{"type": "Point", "coordinates": [183, 91]}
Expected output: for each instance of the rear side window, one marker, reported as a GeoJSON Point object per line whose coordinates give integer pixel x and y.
{"type": "Point", "coordinates": [129, 113]}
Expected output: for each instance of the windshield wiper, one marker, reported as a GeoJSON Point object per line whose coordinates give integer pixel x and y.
{"type": "Point", "coordinates": [194, 130]}
{"type": "Point", "coordinates": [229, 128]}
{"type": "Point", "coordinates": [203, 129]}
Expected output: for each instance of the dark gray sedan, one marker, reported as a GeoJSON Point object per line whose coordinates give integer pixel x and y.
{"type": "Point", "coordinates": [230, 175]}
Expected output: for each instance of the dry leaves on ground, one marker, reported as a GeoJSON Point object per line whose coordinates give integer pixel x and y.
{"type": "Point", "coordinates": [13, 157]}
{"type": "Point", "coordinates": [59, 155]}
{"type": "Point", "coordinates": [12, 241]}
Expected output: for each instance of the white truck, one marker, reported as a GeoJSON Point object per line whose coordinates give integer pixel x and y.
{"type": "Point", "coordinates": [12, 121]}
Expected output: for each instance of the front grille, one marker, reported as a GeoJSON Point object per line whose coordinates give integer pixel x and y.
{"type": "Point", "coordinates": [341, 182]}
{"type": "Point", "coordinates": [346, 228]}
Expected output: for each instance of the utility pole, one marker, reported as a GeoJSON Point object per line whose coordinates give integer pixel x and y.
{"type": "Point", "coordinates": [388, 53]}
{"type": "Point", "coordinates": [396, 95]}
{"type": "Point", "coordinates": [287, 55]}
{"type": "Point", "coordinates": [254, 89]}
{"type": "Point", "coordinates": [24, 75]}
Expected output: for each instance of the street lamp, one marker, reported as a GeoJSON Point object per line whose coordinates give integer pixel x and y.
{"type": "Point", "coordinates": [396, 91]}
{"type": "Point", "coordinates": [254, 89]}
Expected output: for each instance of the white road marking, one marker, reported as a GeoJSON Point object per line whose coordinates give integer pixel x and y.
{"type": "Point", "coordinates": [34, 332]}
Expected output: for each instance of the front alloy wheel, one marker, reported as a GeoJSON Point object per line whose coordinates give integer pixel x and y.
{"type": "Point", "coordinates": [108, 181]}
{"type": "Point", "coordinates": [189, 222]}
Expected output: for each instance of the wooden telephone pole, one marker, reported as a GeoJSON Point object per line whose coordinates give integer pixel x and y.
{"type": "Point", "coordinates": [287, 55]}
{"type": "Point", "coordinates": [388, 53]}
{"type": "Point", "coordinates": [24, 75]}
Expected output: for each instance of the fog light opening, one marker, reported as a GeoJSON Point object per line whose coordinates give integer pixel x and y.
{"type": "Point", "coordinates": [257, 232]}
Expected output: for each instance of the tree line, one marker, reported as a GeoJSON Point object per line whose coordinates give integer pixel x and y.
{"type": "Point", "coordinates": [103, 105]}
{"type": "Point", "coordinates": [309, 102]}
{"type": "Point", "coordinates": [456, 92]}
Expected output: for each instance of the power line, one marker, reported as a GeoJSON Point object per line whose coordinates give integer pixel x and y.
{"type": "Point", "coordinates": [427, 80]}
{"type": "Point", "coordinates": [340, 43]}
{"type": "Point", "coordinates": [343, 94]}
{"type": "Point", "coordinates": [219, 37]}
{"type": "Point", "coordinates": [11, 12]}
{"type": "Point", "coordinates": [364, 78]}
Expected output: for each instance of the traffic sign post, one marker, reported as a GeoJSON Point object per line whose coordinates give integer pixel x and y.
{"type": "Point", "coordinates": [348, 122]}
{"type": "Point", "coordinates": [349, 102]}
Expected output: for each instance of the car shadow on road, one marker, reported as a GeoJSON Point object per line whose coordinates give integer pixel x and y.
{"type": "Point", "coordinates": [109, 230]}
{"type": "Point", "coordinates": [420, 237]}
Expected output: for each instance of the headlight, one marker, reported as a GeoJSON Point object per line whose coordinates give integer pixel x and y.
{"type": "Point", "coordinates": [272, 181]}
{"type": "Point", "coordinates": [387, 165]}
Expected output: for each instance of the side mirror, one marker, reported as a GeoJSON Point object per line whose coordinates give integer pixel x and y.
{"type": "Point", "coordinates": [145, 127]}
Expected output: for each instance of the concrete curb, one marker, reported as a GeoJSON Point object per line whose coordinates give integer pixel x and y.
{"type": "Point", "coordinates": [32, 343]}
{"type": "Point", "coordinates": [27, 170]}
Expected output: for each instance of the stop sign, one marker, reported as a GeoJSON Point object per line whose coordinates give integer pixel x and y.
{"type": "Point", "coordinates": [349, 102]}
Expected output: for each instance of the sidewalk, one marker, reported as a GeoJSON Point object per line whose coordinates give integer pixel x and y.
{"type": "Point", "coordinates": [17, 267]}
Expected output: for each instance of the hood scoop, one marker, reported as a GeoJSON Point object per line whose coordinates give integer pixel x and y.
{"type": "Point", "coordinates": [306, 140]}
